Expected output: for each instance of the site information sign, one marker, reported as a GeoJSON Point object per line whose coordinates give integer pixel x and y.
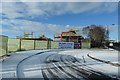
{"type": "Point", "coordinates": [66, 45]}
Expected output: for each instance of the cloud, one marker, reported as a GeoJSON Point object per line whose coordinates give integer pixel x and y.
{"type": "Point", "coordinates": [19, 26]}
{"type": "Point", "coordinates": [14, 10]}
{"type": "Point", "coordinates": [60, 0]}
{"type": "Point", "coordinates": [10, 11]}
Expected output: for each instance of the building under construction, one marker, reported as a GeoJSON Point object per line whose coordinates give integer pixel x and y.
{"type": "Point", "coordinates": [29, 36]}
{"type": "Point", "coordinates": [69, 36]}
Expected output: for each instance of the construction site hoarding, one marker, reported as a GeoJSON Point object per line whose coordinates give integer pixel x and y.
{"type": "Point", "coordinates": [86, 44]}
{"type": "Point", "coordinates": [3, 45]}
{"type": "Point", "coordinates": [27, 44]}
{"type": "Point", "coordinates": [40, 44]}
{"type": "Point", "coordinates": [13, 44]}
{"type": "Point", "coordinates": [54, 45]}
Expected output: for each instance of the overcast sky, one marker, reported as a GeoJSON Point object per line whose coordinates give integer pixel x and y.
{"type": "Point", "coordinates": [49, 18]}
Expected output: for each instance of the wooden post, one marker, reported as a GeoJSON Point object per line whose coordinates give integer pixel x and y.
{"type": "Point", "coordinates": [50, 44]}
{"type": "Point", "coordinates": [20, 45]}
{"type": "Point", "coordinates": [47, 43]}
{"type": "Point", "coordinates": [7, 46]}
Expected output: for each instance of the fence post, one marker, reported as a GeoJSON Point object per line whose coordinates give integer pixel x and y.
{"type": "Point", "coordinates": [20, 45]}
{"type": "Point", "coordinates": [48, 43]}
{"type": "Point", "coordinates": [7, 46]}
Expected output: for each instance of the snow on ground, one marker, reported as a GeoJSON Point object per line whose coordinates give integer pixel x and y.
{"type": "Point", "coordinates": [9, 64]}
{"type": "Point", "coordinates": [31, 67]}
{"type": "Point", "coordinates": [104, 54]}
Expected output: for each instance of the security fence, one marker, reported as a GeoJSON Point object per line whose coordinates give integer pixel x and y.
{"type": "Point", "coordinates": [54, 45]}
{"type": "Point", "coordinates": [26, 45]}
{"type": "Point", "coordinates": [21, 45]}
{"type": "Point", "coordinates": [40, 44]}
{"type": "Point", "coordinates": [85, 44]}
{"type": "Point", "coordinates": [3, 45]}
{"type": "Point", "coordinates": [8, 45]}
{"type": "Point", "coordinates": [13, 44]}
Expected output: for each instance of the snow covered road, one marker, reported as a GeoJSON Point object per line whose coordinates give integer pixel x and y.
{"type": "Point", "coordinates": [73, 64]}
{"type": "Point", "coordinates": [104, 54]}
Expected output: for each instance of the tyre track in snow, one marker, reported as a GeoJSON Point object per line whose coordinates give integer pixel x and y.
{"type": "Point", "coordinates": [73, 75]}
{"type": "Point", "coordinates": [80, 74]}
{"type": "Point", "coordinates": [86, 72]}
{"type": "Point", "coordinates": [54, 70]}
{"type": "Point", "coordinates": [77, 72]}
{"type": "Point", "coordinates": [18, 65]}
{"type": "Point", "coordinates": [47, 72]}
{"type": "Point", "coordinates": [68, 67]}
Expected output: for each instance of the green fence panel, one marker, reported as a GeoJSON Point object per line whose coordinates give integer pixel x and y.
{"type": "Point", "coordinates": [27, 44]}
{"type": "Point", "coordinates": [85, 44]}
{"type": "Point", "coordinates": [13, 44]}
{"type": "Point", "coordinates": [40, 44]}
{"type": "Point", "coordinates": [3, 45]}
{"type": "Point", "coordinates": [54, 45]}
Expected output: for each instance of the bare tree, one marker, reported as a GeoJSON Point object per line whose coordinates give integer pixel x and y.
{"type": "Point", "coordinates": [96, 33]}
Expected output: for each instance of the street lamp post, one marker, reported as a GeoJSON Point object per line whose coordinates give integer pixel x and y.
{"type": "Point", "coordinates": [107, 32]}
